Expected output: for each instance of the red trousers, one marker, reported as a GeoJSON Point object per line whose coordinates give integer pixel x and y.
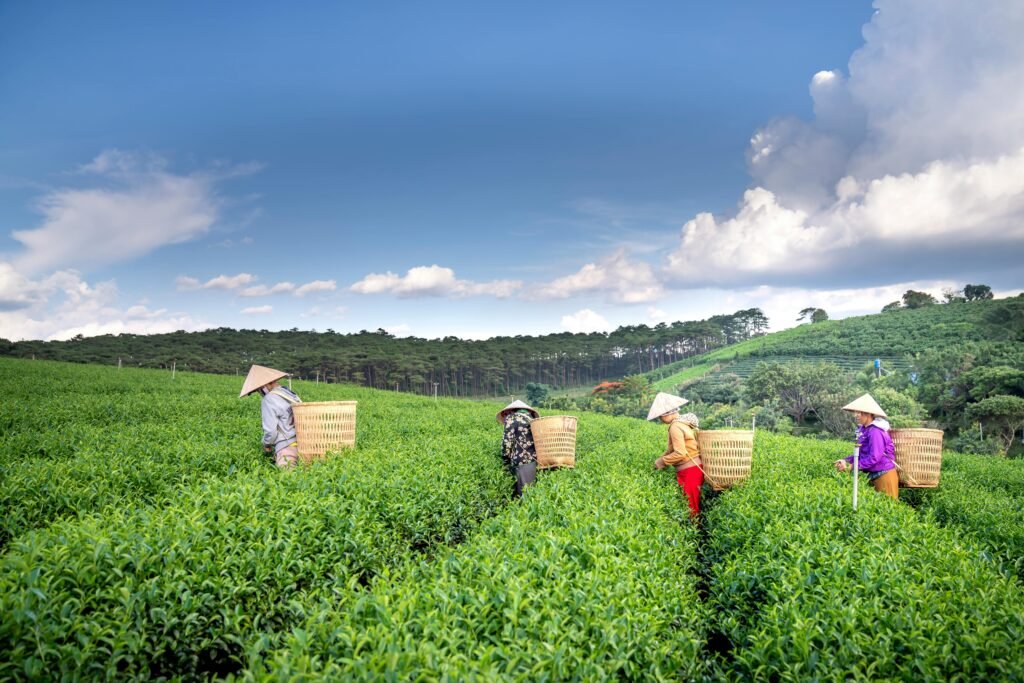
{"type": "Point", "coordinates": [690, 481]}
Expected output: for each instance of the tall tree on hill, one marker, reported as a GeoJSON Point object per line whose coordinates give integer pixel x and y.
{"type": "Point", "coordinates": [1002, 414]}
{"type": "Point", "coordinates": [915, 299]}
{"type": "Point", "coordinates": [815, 315]}
{"type": "Point", "coordinates": [988, 380]}
{"type": "Point", "coordinates": [977, 292]}
{"type": "Point", "coordinates": [801, 389]}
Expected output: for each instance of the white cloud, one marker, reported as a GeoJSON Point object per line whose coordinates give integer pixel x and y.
{"type": "Point", "coordinates": [619, 278]}
{"type": "Point", "coordinates": [432, 281]}
{"type": "Point", "coordinates": [17, 291]}
{"type": "Point", "coordinates": [62, 305]}
{"type": "Point", "coordinates": [257, 310]}
{"type": "Point", "coordinates": [316, 286]}
{"type": "Point", "coordinates": [242, 285]}
{"type": "Point", "coordinates": [132, 206]}
{"type": "Point", "coordinates": [947, 206]}
{"type": "Point", "coordinates": [585, 320]}
{"type": "Point", "coordinates": [184, 283]}
{"type": "Point", "coordinates": [229, 282]}
{"type": "Point", "coordinates": [264, 290]}
{"type": "Point", "coordinates": [401, 330]}
{"type": "Point", "coordinates": [912, 165]}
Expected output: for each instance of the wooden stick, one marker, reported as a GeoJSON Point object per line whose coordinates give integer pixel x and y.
{"type": "Point", "coordinates": [856, 469]}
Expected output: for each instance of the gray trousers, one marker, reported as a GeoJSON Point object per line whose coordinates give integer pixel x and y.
{"type": "Point", "coordinates": [525, 475]}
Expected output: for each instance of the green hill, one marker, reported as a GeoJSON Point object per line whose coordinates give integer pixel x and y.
{"type": "Point", "coordinates": [895, 337]}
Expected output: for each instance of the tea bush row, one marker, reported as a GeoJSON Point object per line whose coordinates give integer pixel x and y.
{"type": "Point", "coordinates": [178, 589]}
{"type": "Point", "coordinates": [802, 588]}
{"type": "Point", "coordinates": [79, 438]}
{"type": "Point", "coordinates": [590, 577]}
{"type": "Point", "coordinates": [982, 497]}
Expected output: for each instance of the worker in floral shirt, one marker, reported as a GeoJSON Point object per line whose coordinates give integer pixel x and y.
{"type": "Point", "coordinates": [517, 443]}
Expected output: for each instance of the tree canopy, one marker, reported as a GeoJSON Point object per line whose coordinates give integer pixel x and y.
{"type": "Point", "coordinates": [496, 366]}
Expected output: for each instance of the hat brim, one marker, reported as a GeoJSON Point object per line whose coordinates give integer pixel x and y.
{"type": "Point", "coordinates": [259, 376]}
{"type": "Point", "coordinates": [504, 413]}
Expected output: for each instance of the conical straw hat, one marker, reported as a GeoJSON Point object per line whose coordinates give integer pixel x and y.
{"type": "Point", "coordinates": [259, 376]}
{"type": "Point", "coordinates": [514, 405]}
{"type": "Point", "coordinates": [865, 404]}
{"type": "Point", "coordinates": [665, 403]}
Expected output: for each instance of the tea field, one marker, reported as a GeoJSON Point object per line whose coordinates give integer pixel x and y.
{"type": "Point", "coordinates": [146, 537]}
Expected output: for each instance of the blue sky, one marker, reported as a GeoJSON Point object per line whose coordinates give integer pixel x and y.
{"type": "Point", "coordinates": [469, 169]}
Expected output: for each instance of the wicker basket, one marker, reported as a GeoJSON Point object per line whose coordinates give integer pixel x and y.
{"type": "Point", "coordinates": [918, 457]}
{"type": "Point", "coordinates": [554, 438]}
{"type": "Point", "coordinates": [726, 456]}
{"type": "Point", "coordinates": [322, 427]}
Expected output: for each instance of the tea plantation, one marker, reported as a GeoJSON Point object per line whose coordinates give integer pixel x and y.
{"type": "Point", "coordinates": [146, 537]}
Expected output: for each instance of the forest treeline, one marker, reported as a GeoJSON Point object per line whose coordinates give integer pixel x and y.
{"type": "Point", "coordinates": [450, 366]}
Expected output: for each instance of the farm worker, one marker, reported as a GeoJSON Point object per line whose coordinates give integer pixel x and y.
{"type": "Point", "coordinates": [682, 450]}
{"type": "Point", "coordinates": [276, 408]}
{"type": "Point", "coordinates": [517, 447]}
{"type": "Point", "coordinates": [877, 456]}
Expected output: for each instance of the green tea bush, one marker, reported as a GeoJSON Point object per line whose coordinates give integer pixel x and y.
{"type": "Point", "coordinates": [803, 588]}
{"type": "Point", "coordinates": [982, 497]}
{"type": "Point", "coordinates": [178, 588]}
{"type": "Point", "coordinates": [592, 576]}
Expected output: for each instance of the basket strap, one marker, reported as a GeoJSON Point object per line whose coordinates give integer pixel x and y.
{"type": "Point", "coordinates": [909, 476]}
{"type": "Point", "coordinates": [706, 475]}
{"type": "Point", "coordinates": [282, 394]}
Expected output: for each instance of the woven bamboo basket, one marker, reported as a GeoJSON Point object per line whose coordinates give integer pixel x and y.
{"type": "Point", "coordinates": [554, 437]}
{"type": "Point", "coordinates": [323, 427]}
{"type": "Point", "coordinates": [918, 457]}
{"type": "Point", "coordinates": [726, 455]}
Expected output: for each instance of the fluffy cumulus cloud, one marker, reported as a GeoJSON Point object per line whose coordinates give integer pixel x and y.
{"type": "Point", "coordinates": [618, 277]}
{"type": "Point", "coordinates": [257, 310]}
{"type": "Point", "coordinates": [118, 207]}
{"type": "Point", "coordinates": [912, 167]}
{"type": "Point", "coordinates": [433, 281]}
{"type": "Point", "coordinates": [63, 304]}
{"type": "Point", "coordinates": [585, 320]}
{"type": "Point", "coordinates": [16, 290]}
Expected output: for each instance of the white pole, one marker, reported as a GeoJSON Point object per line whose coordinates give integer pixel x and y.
{"type": "Point", "coordinates": [289, 383]}
{"type": "Point", "coordinates": [118, 363]}
{"type": "Point", "coordinates": [856, 468]}
{"type": "Point", "coordinates": [753, 423]}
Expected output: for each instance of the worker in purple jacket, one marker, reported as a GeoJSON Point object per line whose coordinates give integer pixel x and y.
{"type": "Point", "coordinates": [877, 456]}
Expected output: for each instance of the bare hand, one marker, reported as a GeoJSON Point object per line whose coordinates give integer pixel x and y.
{"type": "Point", "coordinates": [842, 465]}
{"type": "Point", "coordinates": [659, 464]}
